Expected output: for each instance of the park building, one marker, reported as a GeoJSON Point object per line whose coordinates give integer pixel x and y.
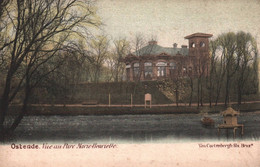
{"type": "Point", "coordinates": [154, 62]}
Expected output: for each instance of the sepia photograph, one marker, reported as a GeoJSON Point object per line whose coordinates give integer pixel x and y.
{"type": "Point", "coordinates": [129, 83]}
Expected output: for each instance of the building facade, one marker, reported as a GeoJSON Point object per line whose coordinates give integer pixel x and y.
{"type": "Point", "coordinates": [154, 62]}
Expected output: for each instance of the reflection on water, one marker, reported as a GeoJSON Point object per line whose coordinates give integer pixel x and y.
{"type": "Point", "coordinates": [129, 128]}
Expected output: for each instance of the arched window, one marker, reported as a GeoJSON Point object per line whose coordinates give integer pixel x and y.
{"type": "Point", "coordinates": [192, 45]}
{"type": "Point", "coordinates": [136, 70]}
{"type": "Point", "coordinates": [148, 70]}
{"type": "Point", "coordinates": [128, 67]}
{"type": "Point", "coordinates": [161, 69]}
{"type": "Point", "coordinates": [202, 44]}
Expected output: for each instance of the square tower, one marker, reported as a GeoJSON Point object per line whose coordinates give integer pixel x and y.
{"type": "Point", "coordinates": [198, 43]}
{"type": "Point", "coordinates": [199, 52]}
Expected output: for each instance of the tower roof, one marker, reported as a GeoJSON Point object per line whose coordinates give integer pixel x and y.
{"type": "Point", "coordinates": [198, 34]}
{"type": "Point", "coordinates": [230, 111]}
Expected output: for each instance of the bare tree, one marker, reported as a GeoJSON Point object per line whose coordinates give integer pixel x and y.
{"type": "Point", "coordinates": [234, 54]}
{"type": "Point", "coordinates": [246, 51]}
{"type": "Point", "coordinates": [201, 70]}
{"type": "Point", "coordinates": [40, 29]}
{"type": "Point", "coordinates": [138, 43]}
{"type": "Point", "coordinates": [212, 74]}
{"type": "Point", "coordinates": [137, 46]}
{"type": "Point", "coordinates": [177, 83]}
{"type": "Point", "coordinates": [3, 4]}
{"type": "Point", "coordinates": [191, 84]}
{"type": "Point", "coordinates": [98, 51]}
{"type": "Point", "coordinates": [220, 73]}
{"type": "Point", "coordinates": [228, 44]}
{"type": "Point", "coordinates": [122, 48]}
{"type": "Point", "coordinates": [109, 67]}
{"type": "Point", "coordinates": [177, 86]}
{"type": "Point", "coordinates": [4, 41]}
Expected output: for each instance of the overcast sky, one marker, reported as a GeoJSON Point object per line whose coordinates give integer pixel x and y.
{"type": "Point", "coordinates": [172, 20]}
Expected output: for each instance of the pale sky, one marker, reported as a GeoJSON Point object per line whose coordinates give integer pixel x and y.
{"type": "Point", "coordinates": [172, 20]}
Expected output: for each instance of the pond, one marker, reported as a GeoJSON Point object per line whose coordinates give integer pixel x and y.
{"type": "Point", "coordinates": [130, 128]}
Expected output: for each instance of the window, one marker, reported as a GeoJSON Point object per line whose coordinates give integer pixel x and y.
{"type": "Point", "coordinates": [192, 45]}
{"type": "Point", "coordinates": [202, 44]}
{"type": "Point", "coordinates": [172, 69]}
{"type": "Point", "coordinates": [128, 73]}
{"type": "Point", "coordinates": [148, 70]}
{"type": "Point", "coordinates": [172, 65]}
{"type": "Point", "coordinates": [136, 70]}
{"type": "Point", "coordinates": [128, 67]}
{"type": "Point", "coordinates": [161, 69]}
{"type": "Point", "coordinates": [184, 70]}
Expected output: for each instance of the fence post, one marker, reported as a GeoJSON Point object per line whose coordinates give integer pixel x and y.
{"type": "Point", "coordinates": [109, 102]}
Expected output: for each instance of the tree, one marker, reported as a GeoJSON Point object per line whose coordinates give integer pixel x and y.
{"type": "Point", "coordinates": [235, 56]}
{"type": "Point", "coordinates": [138, 49]}
{"type": "Point", "coordinates": [122, 48]}
{"type": "Point", "coordinates": [177, 85]}
{"type": "Point", "coordinates": [246, 54]}
{"type": "Point", "coordinates": [219, 71]}
{"type": "Point", "coordinates": [212, 74]}
{"type": "Point", "coordinates": [191, 84]}
{"type": "Point", "coordinates": [71, 64]}
{"type": "Point", "coordinates": [138, 43]}
{"type": "Point", "coordinates": [4, 42]}
{"type": "Point", "coordinates": [3, 4]}
{"type": "Point", "coordinates": [228, 43]}
{"type": "Point", "coordinates": [98, 52]}
{"type": "Point", "coordinates": [201, 70]}
{"type": "Point", "coordinates": [40, 28]}
{"type": "Point", "coordinates": [114, 61]}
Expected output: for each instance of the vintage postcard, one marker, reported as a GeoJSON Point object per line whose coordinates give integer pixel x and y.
{"type": "Point", "coordinates": [129, 83]}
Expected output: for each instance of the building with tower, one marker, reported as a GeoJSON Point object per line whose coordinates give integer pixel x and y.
{"type": "Point", "coordinates": [154, 62]}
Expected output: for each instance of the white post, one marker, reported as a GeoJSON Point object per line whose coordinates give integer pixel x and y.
{"type": "Point", "coordinates": [147, 97]}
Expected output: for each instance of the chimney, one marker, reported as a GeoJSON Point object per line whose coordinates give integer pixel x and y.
{"type": "Point", "coordinates": [184, 46]}
{"type": "Point", "coordinates": [152, 42]}
{"type": "Point", "coordinates": [175, 45]}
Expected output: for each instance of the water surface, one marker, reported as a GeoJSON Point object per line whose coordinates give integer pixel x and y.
{"type": "Point", "coordinates": [130, 128]}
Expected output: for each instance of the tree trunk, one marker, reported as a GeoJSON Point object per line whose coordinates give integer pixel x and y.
{"type": "Point", "coordinates": [117, 71]}
{"type": "Point", "coordinates": [4, 103]}
{"type": "Point", "coordinates": [239, 92]}
{"type": "Point", "coordinates": [198, 93]}
{"type": "Point", "coordinates": [227, 92]}
{"type": "Point", "coordinates": [218, 94]}
{"type": "Point", "coordinates": [210, 95]}
{"type": "Point", "coordinates": [201, 95]}
{"type": "Point", "coordinates": [18, 120]}
{"type": "Point", "coordinates": [191, 92]}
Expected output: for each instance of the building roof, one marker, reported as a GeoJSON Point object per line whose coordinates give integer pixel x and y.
{"type": "Point", "coordinates": [198, 34]}
{"type": "Point", "coordinates": [154, 49]}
